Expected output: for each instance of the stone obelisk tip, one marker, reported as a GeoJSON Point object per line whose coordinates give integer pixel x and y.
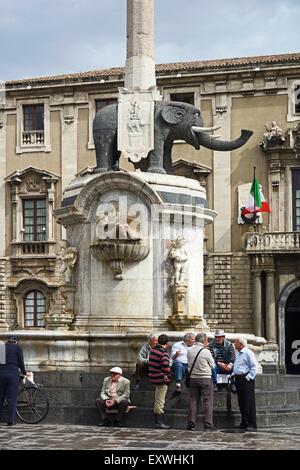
{"type": "Point", "coordinates": [140, 62]}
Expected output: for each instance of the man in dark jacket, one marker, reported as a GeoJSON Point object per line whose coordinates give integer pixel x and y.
{"type": "Point", "coordinates": [223, 353]}
{"type": "Point", "coordinates": [10, 377]}
{"type": "Point", "coordinates": [159, 372]}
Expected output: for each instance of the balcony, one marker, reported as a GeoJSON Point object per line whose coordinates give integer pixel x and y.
{"type": "Point", "coordinates": [33, 138]}
{"type": "Point", "coordinates": [272, 242]}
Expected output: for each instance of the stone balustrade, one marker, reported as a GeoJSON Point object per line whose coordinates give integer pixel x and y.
{"type": "Point", "coordinates": [270, 242]}
{"type": "Point", "coordinates": [33, 138]}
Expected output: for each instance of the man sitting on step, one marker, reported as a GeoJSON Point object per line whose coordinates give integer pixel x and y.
{"type": "Point", "coordinates": [114, 394]}
{"type": "Point", "coordinates": [142, 367]}
{"type": "Point", "coordinates": [223, 353]}
{"type": "Point", "coordinates": [179, 358]}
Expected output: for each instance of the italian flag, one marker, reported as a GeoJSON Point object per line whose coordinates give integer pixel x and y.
{"type": "Point", "coordinates": [256, 201]}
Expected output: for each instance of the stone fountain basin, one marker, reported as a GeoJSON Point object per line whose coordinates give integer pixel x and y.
{"type": "Point", "coordinates": [122, 250]}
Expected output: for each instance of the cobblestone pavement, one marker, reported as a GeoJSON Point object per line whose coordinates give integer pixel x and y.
{"type": "Point", "coordinates": [69, 437]}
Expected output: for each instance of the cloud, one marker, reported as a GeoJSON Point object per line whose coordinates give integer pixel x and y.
{"type": "Point", "coordinates": [43, 37]}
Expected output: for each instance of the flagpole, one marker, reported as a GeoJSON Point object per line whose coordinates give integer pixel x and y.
{"type": "Point", "coordinates": [254, 171]}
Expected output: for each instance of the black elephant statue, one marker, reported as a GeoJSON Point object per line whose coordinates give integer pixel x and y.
{"type": "Point", "coordinates": [172, 121]}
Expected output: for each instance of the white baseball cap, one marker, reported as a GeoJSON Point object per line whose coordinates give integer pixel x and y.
{"type": "Point", "coordinates": [117, 370]}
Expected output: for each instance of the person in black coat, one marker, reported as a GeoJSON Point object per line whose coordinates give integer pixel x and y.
{"type": "Point", "coordinates": [10, 378]}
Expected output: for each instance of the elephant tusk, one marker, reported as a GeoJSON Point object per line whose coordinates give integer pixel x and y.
{"type": "Point", "coordinates": [205, 129]}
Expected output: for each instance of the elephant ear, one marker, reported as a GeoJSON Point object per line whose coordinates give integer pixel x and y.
{"type": "Point", "coordinates": [173, 114]}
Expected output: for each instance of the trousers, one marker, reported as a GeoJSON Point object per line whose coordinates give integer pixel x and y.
{"type": "Point", "coordinates": [246, 399]}
{"type": "Point", "coordinates": [103, 409]}
{"type": "Point", "coordinates": [201, 387]}
{"type": "Point", "coordinates": [9, 386]}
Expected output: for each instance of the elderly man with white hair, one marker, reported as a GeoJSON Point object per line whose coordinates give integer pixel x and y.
{"type": "Point", "coordinates": [114, 394]}
{"type": "Point", "coordinates": [244, 372]}
{"type": "Point", "coordinates": [142, 366]}
{"type": "Point", "coordinates": [179, 358]}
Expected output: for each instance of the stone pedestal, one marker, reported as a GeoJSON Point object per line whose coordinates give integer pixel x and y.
{"type": "Point", "coordinates": [123, 225]}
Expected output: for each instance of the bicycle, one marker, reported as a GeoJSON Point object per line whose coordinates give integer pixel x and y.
{"type": "Point", "coordinates": [33, 402]}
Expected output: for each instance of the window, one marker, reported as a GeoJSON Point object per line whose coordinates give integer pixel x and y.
{"type": "Point", "coordinates": [104, 102]}
{"type": "Point", "coordinates": [34, 220]}
{"type": "Point", "coordinates": [34, 309]}
{"type": "Point", "coordinates": [296, 200]}
{"type": "Point", "coordinates": [297, 99]}
{"type": "Point", "coordinates": [183, 97]}
{"type": "Point", "coordinates": [33, 125]}
{"type": "Point", "coordinates": [33, 118]}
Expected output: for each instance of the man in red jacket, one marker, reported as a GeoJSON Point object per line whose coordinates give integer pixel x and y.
{"type": "Point", "coordinates": [159, 372]}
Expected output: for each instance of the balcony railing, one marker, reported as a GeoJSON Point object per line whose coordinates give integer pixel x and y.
{"type": "Point", "coordinates": [272, 242]}
{"type": "Point", "coordinates": [34, 248]}
{"type": "Point", "coordinates": [33, 138]}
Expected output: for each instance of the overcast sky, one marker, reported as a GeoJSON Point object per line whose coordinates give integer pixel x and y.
{"type": "Point", "coordinates": [45, 37]}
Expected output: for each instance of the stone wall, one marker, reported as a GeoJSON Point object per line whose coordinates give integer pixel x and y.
{"type": "Point", "coordinates": [241, 293]}
{"type": "Point", "coordinates": [228, 292]}
{"type": "Point", "coordinates": [2, 289]}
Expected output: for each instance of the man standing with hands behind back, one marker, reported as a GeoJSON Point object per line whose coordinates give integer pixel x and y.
{"type": "Point", "coordinates": [244, 372]}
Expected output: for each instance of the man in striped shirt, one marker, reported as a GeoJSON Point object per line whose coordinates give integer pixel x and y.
{"type": "Point", "coordinates": [159, 375]}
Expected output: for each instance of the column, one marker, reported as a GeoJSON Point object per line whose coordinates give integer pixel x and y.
{"type": "Point", "coordinates": [270, 306]}
{"type": "Point", "coordinates": [2, 180]}
{"type": "Point", "coordinates": [257, 302]}
{"type": "Point", "coordinates": [69, 156]}
{"type": "Point", "coordinates": [140, 62]}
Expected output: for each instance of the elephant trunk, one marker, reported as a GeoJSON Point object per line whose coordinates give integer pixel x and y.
{"type": "Point", "coordinates": [210, 142]}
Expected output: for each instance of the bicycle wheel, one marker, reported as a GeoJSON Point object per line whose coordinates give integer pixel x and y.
{"type": "Point", "coordinates": [32, 405]}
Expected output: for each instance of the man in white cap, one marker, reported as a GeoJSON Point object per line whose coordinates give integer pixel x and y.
{"type": "Point", "coordinates": [223, 353]}
{"type": "Point", "coordinates": [114, 394]}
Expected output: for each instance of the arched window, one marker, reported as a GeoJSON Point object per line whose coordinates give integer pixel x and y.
{"type": "Point", "coordinates": [34, 309]}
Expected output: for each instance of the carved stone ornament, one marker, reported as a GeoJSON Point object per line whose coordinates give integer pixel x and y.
{"type": "Point", "coordinates": [296, 138]}
{"type": "Point", "coordinates": [126, 246]}
{"type": "Point", "coordinates": [33, 184]}
{"type": "Point", "coordinates": [61, 319]}
{"type": "Point", "coordinates": [68, 256]}
{"type": "Point", "coordinates": [273, 137]}
{"type": "Point", "coordinates": [135, 123]}
{"type": "Point", "coordinates": [179, 257]}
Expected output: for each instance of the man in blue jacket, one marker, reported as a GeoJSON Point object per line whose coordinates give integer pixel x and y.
{"type": "Point", "coordinates": [12, 362]}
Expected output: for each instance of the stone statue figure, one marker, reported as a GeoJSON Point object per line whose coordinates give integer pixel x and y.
{"type": "Point", "coordinates": [273, 136]}
{"type": "Point", "coordinates": [68, 256]}
{"type": "Point", "coordinates": [180, 257]}
{"type": "Point", "coordinates": [172, 121]}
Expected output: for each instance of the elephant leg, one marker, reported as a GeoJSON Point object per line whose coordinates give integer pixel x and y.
{"type": "Point", "coordinates": [168, 157]}
{"type": "Point", "coordinates": [106, 151]}
{"type": "Point", "coordinates": [155, 159]}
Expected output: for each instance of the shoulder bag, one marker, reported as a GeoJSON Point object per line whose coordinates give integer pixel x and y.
{"type": "Point", "coordinates": [188, 374]}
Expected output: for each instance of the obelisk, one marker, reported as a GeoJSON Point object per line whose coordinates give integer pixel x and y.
{"type": "Point", "coordinates": [140, 62]}
{"type": "Point", "coordinates": [137, 98]}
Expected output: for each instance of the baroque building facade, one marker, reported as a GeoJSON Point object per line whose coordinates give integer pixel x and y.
{"type": "Point", "coordinates": [252, 271]}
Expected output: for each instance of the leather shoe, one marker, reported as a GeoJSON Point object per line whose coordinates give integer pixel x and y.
{"type": "Point", "coordinates": [104, 424]}
{"type": "Point", "coordinates": [117, 424]}
{"type": "Point", "coordinates": [250, 429]}
{"type": "Point", "coordinates": [191, 426]}
{"type": "Point", "coordinates": [9, 423]}
{"type": "Point", "coordinates": [209, 428]}
{"type": "Point", "coordinates": [241, 427]}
